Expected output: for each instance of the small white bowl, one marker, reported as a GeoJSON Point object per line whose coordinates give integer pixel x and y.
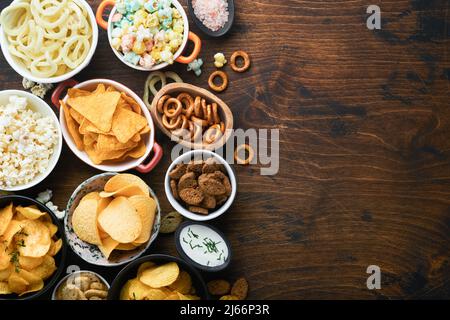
{"type": "Point", "coordinates": [181, 209]}
{"type": "Point", "coordinates": [78, 273]}
{"type": "Point", "coordinates": [129, 163]}
{"type": "Point", "coordinates": [17, 65]}
{"type": "Point", "coordinates": [91, 253]}
{"type": "Point", "coordinates": [37, 105]}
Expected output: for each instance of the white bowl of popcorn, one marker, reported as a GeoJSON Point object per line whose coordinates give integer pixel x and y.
{"type": "Point", "coordinates": [30, 140]}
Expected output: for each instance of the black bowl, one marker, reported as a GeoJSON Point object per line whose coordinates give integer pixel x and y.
{"type": "Point", "coordinates": [60, 258]}
{"type": "Point", "coordinates": [207, 31]}
{"type": "Point", "coordinates": [130, 272]}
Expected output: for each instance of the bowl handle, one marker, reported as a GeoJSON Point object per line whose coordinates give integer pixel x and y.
{"type": "Point", "coordinates": [158, 153]}
{"type": "Point", "coordinates": [56, 96]}
{"type": "Point", "coordinates": [101, 9]}
{"type": "Point", "coordinates": [197, 47]}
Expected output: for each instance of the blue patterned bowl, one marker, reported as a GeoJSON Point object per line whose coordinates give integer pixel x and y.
{"type": "Point", "coordinates": [91, 253]}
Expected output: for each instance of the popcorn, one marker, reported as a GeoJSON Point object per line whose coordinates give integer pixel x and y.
{"type": "Point", "coordinates": [41, 89]}
{"type": "Point", "coordinates": [220, 60]}
{"type": "Point", "coordinates": [132, 58]}
{"type": "Point", "coordinates": [196, 67]}
{"type": "Point", "coordinates": [28, 84]}
{"type": "Point", "coordinates": [59, 214]}
{"type": "Point", "coordinates": [167, 56]}
{"type": "Point", "coordinates": [45, 196]}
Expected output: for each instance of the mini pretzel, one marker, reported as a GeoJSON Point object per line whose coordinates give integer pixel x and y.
{"type": "Point", "coordinates": [215, 113]}
{"type": "Point", "coordinates": [172, 113]}
{"type": "Point", "coordinates": [251, 154]}
{"type": "Point", "coordinates": [183, 131]}
{"type": "Point", "coordinates": [195, 129]}
{"type": "Point", "coordinates": [198, 107]}
{"type": "Point", "coordinates": [186, 99]}
{"type": "Point", "coordinates": [221, 75]}
{"type": "Point", "coordinates": [171, 124]}
{"type": "Point", "coordinates": [215, 129]}
{"type": "Point", "coordinates": [222, 127]}
{"type": "Point", "coordinates": [200, 121]}
{"type": "Point", "coordinates": [204, 108]}
{"type": "Point", "coordinates": [161, 102]}
{"type": "Point", "coordinates": [209, 115]}
{"type": "Point", "coordinates": [243, 55]}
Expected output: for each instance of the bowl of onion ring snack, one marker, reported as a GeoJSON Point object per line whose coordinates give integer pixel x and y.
{"type": "Point", "coordinates": [192, 116]}
{"type": "Point", "coordinates": [48, 41]}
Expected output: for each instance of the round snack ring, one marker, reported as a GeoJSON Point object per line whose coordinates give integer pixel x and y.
{"type": "Point", "coordinates": [195, 129]}
{"type": "Point", "coordinates": [243, 55]}
{"type": "Point", "coordinates": [161, 102]}
{"type": "Point", "coordinates": [152, 79]}
{"type": "Point", "coordinates": [221, 75]}
{"type": "Point", "coordinates": [213, 134]}
{"type": "Point", "coordinates": [251, 154]}
{"type": "Point", "coordinates": [201, 122]}
{"type": "Point", "coordinates": [173, 76]}
{"type": "Point", "coordinates": [215, 113]}
{"type": "Point", "coordinates": [183, 131]}
{"type": "Point", "coordinates": [172, 112]}
{"type": "Point", "coordinates": [198, 107]}
{"type": "Point", "coordinates": [171, 124]}
{"type": "Point", "coordinates": [188, 103]}
{"type": "Point", "coordinates": [204, 108]}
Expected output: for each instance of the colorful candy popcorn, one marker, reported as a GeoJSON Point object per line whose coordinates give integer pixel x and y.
{"type": "Point", "coordinates": [147, 32]}
{"type": "Point", "coordinates": [196, 66]}
{"type": "Point", "coordinates": [220, 60]}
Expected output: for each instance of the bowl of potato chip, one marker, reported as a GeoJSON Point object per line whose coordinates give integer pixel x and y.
{"type": "Point", "coordinates": [112, 219]}
{"type": "Point", "coordinates": [107, 125]}
{"type": "Point", "coordinates": [32, 248]}
{"type": "Point", "coordinates": [158, 277]}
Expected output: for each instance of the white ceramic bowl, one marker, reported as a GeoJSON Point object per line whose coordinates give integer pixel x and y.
{"type": "Point", "coordinates": [38, 105]}
{"type": "Point", "coordinates": [186, 36]}
{"type": "Point", "coordinates": [17, 65]}
{"type": "Point", "coordinates": [186, 157]}
{"type": "Point", "coordinates": [128, 163]}
{"type": "Point", "coordinates": [91, 253]}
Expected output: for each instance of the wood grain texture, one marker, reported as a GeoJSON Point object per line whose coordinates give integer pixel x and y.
{"type": "Point", "coordinates": [364, 123]}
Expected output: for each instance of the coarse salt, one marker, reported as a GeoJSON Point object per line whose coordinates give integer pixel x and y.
{"type": "Point", "coordinates": [212, 13]}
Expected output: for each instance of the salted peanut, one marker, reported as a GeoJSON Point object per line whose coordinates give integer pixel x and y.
{"type": "Point", "coordinates": [209, 202]}
{"type": "Point", "coordinates": [188, 180]}
{"type": "Point", "coordinates": [200, 210]}
{"type": "Point", "coordinates": [221, 200]}
{"type": "Point", "coordinates": [96, 293]}
{"type": "Point", "coordinates": [196, 167]}
{"type": "Point", "coordinates": [240, 289]}
{"type": "Point", "coordinates": [191, 196]}
{"type": "Point", "coordinates": [219, 287]}
{"type": "Point", "coordinates": [178, 172]}
{"type": "Point", "coordinates": [211, 186]}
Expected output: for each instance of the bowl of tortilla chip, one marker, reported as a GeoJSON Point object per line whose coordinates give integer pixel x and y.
{"type": "Point", "coordinates": [107, 125]}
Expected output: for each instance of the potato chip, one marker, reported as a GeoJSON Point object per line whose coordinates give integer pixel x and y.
{"type": "Point", "coordinates": [192, 297]}
{"type": "Point", "coordinates": [173, 296]}
{"type": "Point", "coordinates": [126, 246]}
{"type": "Point", "coordinates": [126, 124]}
{"type": "Point", "coordinates": [121, 221]}
{"type": "Point", "coordinates": [35, 239]}
{"type": "Point", "coordinates": [30, 213]}
{"type": "Point", "coordinates": [5, 273]}
{"type": "Point", "coordinates": [6, 215]}
{"type": "Point", "coordinates": [52, 229]}
{"type": "Point", "coordinates": [55, 247]}
{"type": "Point", "coordinates": [4, 256]}
{"type": "Point", "coordinates": [123, 180]}
{"type": "Point", "coordinates": [125, 292]}
{"type": "Point", "coordinates": [128, 191]}
{"type": "Point", "coordinates": [183, 283]}
{"type": "Point", "coordinates": [138, 290]}
{"type": "Point", "coordinates": [160, 276]}
{"type": "Point", "coordinates": [108, 245]}
{"type": "Point", "coordinates": [72, 127]}
{"type": "Point", "coordinates": [156, 294]}
{"type": "Point", "coordinates": [29, 263]}
{"type": "Point", "coordinates": [17, 284]}
{"type": "Point", "coordinates": [13, 227]}
{"type": "Point", "coordinates": [84, 222]}
{"type": "Point", "coordinates": [4, 288]}
{"type": "Point", "coordinates": [145, 266]}
{"type": "Point", "coordinates": [98, 108]}
{"type": "Point", "coordinates": [46, 269]}
{"type": "Point", "coordinates": [146, 208]}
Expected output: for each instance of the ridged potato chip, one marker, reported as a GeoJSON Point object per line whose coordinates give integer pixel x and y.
{"type": "Point", "coordinates": [84, 221]}
{"type": "Point", "coordinates": [35, 239]}
{"type": "Point", "coordinates": [146, 208]}
{"type": "Point", "coordinates": [160, 276]}
{"type": "Point", "coordinates": [121, 221]}
{"type": "Point", "coordinates": [6, 215]}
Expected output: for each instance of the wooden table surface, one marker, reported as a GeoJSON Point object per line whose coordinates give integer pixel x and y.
{"type": "Point", "coordinates": [364, 124]}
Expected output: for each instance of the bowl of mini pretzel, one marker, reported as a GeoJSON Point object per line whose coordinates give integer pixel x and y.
{"type": "Point", "coordinates": [192, 116]}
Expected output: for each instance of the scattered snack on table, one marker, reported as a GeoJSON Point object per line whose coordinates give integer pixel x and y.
{"type": "Point", "coordinates": [246, 159]}
{"type": "Point", "coordinates": [240, 54]}
{"type": "Point", "coordinates": [159, 282]}
{"type": "Point", "coordinates": [196, 67]}
{"type": "Point", "coordinates": [191, 119]}
{"type": "Point", "coordinates": [119, 218]}
{"type": "Point", "coordinates": [213, 14]}
{"type": "Point", "coordinates": [219, 287]}
{"type": "Point", "coordinates": [203, 187]}
{"type": "Point", "coordinates": [82, 286]}
{"type": "Point", "coordinates": [38, 89]}
{"type": "Point", "coordinates": [219, 60]}
{"type": "Point", "coordinates": [45, 197]}
{"type": "Point", "coordinates": [240, 289]}
{"type": "Point", "coordinates": [27, 142]}
{"type": "Point", "coordinates": [170, 222]}
{"type": "Point", "coordinates": [107, 124]}
{"type": "Point", "coordinates": [147, 33]}
{"type": "Point", "coordinates": [28, 243]}
{"type": "Point", "coordinates": [153, 79]}
{"type": "Point", "coordinates": [49, 38]}
{"type": "Point", "coordinates": [218, 74]}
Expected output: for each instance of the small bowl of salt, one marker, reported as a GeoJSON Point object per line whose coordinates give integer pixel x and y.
{"type": "Point", "coordinates": [214, 17]}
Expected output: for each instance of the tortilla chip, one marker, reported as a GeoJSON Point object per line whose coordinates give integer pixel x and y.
{"type": "Point", "coordinates": [72, 127]}
{"type": "Point", "coordinates": [126, 124]}
{"type": "Point", "coordinates": [76, 116]}
{"type": "Point", "coordinates": [134, 105]}
{"type": "Point", "coordinates": [109, 143]}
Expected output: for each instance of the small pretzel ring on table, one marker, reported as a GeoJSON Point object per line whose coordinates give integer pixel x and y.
{"type": "Point", "coordinates": [233, 60]}
{"type": "Point", "coordinates": [213, 134]}
{"type": "Point", "coordinates": [218, 74]}
{"type": "Point", "coordinates": [251, 154]}
{"type": "Point", "coordinates": [171, 124]}
{"type": "Point", "coordinates": [172, 112]}
{"type": "Point", "coordinates": [161, 102]}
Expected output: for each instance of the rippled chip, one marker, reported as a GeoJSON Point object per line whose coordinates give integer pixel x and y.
{"type": "Point", "coordinates": [161, 276]}
{"type": "Point", "coordinates": [146, 208]}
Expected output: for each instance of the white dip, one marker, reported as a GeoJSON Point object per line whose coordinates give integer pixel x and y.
{"type": "Point", "coordinates": [203, 245]}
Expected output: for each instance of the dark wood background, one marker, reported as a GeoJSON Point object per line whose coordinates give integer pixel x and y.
{"type": "Point", "coordinates": [364, 119]}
